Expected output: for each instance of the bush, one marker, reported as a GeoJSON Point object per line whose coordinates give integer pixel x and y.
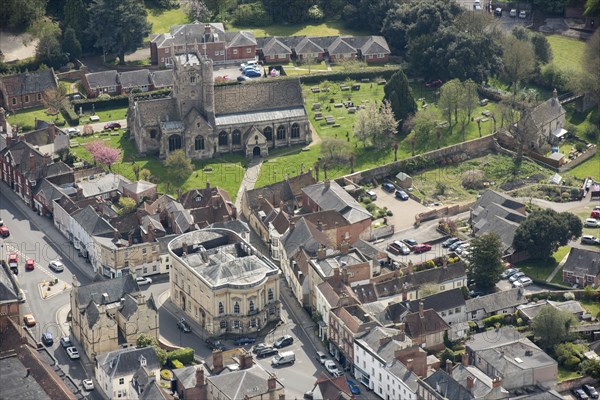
{"type": "Point", "coordinates": [176, 364]}
{"type": "Point", "coordinates": [252, 14]}
{"type": "Point", "coordinates": [493, 320]}
{"type": "Point", "coordinates": [103, 103]}
{"type": "Point", "coordinates": [371, 73]}
{"type": "Point", "coordinates": [580, 147]}
{"type": "Point", "coordinates": [185, 355]}
{"type": "Point", "coordinates": [69, 114]}
{"type": "Point", "coordinates": [592, 133]}
{"type": "Point", "coordinates": [166, 374]}
{"type": "Point", "coordinates": [553, 77]}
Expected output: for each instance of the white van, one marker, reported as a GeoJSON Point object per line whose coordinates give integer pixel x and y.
{"type": "Point", "coordinates": [286, 357]}
{"type": "Point", "coordinates": [251, 63]}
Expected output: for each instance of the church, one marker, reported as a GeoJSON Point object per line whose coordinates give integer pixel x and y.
{"type": "Point", "coordinates": [208, 120]}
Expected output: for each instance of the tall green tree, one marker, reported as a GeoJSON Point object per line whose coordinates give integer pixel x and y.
{"type": "Point", "coordinates": [541, 48]}
{"type": "Point", "coordinates": [588, 80]}
{"type": "Point", "coordinates": [485, 260]}
{"type": "Point", "coordinates": [552, 6]}
{"type": "Point", "coordinates": [49, 51]}
{"type": "Point", "coordinates": [551, 326]}
{"type": "Point", "coordinates": [118, 26]}
{"type": "Point", "coordinates": [70, 43]}
{"type": "Point", "coordinates": [76, 16]}
{"type": "Point", "coordinates": [399, 94]}
{"type": "Point", "coordinates": [519, 60]}
{"type": "Point", "coordinates": [179, 166]}
{"type": "Point", "coordinates": [451, 98]}
{"type": "Point", "coordinates": [543, 231]}
{"type": "Point", "coordinates": [424, 124]}
{"type": "Point", "coordinates": [19, 14]}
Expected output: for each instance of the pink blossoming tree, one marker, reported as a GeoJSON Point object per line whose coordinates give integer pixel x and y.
{"type": "Point", "coordinates": [102, 153]}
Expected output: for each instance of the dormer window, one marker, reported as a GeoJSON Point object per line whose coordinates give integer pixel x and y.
{"type": "Point", "coordinates": [142, 361]}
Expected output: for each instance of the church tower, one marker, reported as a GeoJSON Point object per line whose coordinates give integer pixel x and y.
{"type": "Point", "coordinates": [193, 85]}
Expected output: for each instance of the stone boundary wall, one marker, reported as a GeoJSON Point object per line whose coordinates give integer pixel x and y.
{"type": "Point", "coordinates": [569, 384]}
{"type": "Point", "coordinates": [586, 155]}
{"type": "Point", "coordinates": [73, 75]}
{"type": "Point", "coordinates": [447, 211]}
{"type": "Point", "coordinates": [378, 233]}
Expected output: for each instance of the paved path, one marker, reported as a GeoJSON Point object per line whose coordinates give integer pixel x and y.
{"type": "Point", "coordinates": [558, 268]}
{"type": "Point", "coordinates": [249, 180]}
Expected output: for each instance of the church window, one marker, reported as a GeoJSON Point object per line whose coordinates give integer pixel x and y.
{"type": "Point", "coordinates": [234, 51]}
{"type": "Point", "coordinates": [268, 132]}
{"type": "Point", "coordinates": [192, 79]}
{"type": "Point", "coordinates": [152, 133]}
{"type": "Point", "coordinates": [281, 133]}
{"type": "Point", "coordinates": [251, 306]}
{"type": "Point", "coordinates": [174, 142]}
{"type": "Point", "coordinates": [39, 96]}
{"type": "Point", "coordinates": [295, 131]}
{"type": "Point", "coordinates": [223, 138]}
{"type": "Point", "coordinates": [249, 50]}
{"type": "Point", "coordinates": [236, 137]}
{"type": "Point", "coordinates": [26, 99]}
{"type": "Point", "coordinates": [14, 101]}
{"type": "Point", "coordinates": [199, 143]}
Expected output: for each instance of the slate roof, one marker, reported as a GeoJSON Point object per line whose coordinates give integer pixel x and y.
{"type": "Point", "coordinates": [447, 386]}
{"type": "Point", "coordinates": [495, 338]}
{"type": "Point", "coordinates": [368, 45]}
{"type": "Point", "coordinates": [331, 388]}
{"type": "Point", "coordinates": [92, 223]}
{"type": "Point", "coordinates": [28, 82]}
{"type": "Point", "coordinates": [331, 196]}
{"type": "Point", "coordinates": [240, 38]}
{"type": "Point", "coordinates": [430, 322]}
{"type": "Point", "coordinates": [17, 383]}
{"type": "Point", "coordinates": [187, 375]}
{"type": "Point", "coordinates": [372, 340]}
{"type": "Point", "coordinates": [236, 385]}
{"type": "Point", "coordinates": [399, 370]}
{"type": "Point", "coordinates": [139, 186]}
{"type": "Point", "coordinates": [513, 358]}
{"type": "Point", "coordinates": [583, 262]}
{"type": "Point", "coordinates": [285, 190]}
{"type": "Point", "coordinates": [126, 361]}
{"type": "Point", "coordinates": [235, 225]}
{"type": "Point", "coordinates": [8, 292]}
{"type": "Point", "coordinates": [482, 384]}
{"type": "Point", "coordinates": [304, 235]}
{"type": "Point", "coordinates": [440, 301]}
{"type": "Point", "coordinates": [28, 161]}
{"type": "Point", "coordinates": [99, 80]}
{"type": "Point", "coordinates": [272, 47]}
{"type": "Point", "coordinates": [545, 112]}
{"type": "Point", "coordinates": [452, 272]}
{"type": "Point", "coordinates": [48, 190]}
{"type": "Point", "coordinates": [263, 95]}
{"type": "Point", "coordinates": [92, 313]}
{"type": "Point", "coordinates": [369, 250]}
{"type": "Point", "coordinates": [162, 78]}
{"type": "Point", "coordinates": [104, 183]}
{"type": "Point", "coordinates": [129, 79]}
{"type": "Point", "coordinates": [498, 301]}
{"type": "Point", "coordinates": [115, 288]}
{"type": "Point", "coordinates": [153, 111]}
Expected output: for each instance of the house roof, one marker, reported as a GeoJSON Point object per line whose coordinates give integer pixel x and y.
{"type": "Point", "coordinates": [331, 196]}
{"type": "Point", "coordinates": [151, 112]}
{"type": "Point", "coordinates": [583, 262]}
{"type": "Point", "coordinates": [98, 80]}
{"type": "Point", "coordinates": [235, 225]}
{"type": "Point", "coordinates": [444, 384]}
{"type": "Point", "coordinates": [482, 384]}
{"type": "Point", "coordinates": [162, 78]}
{"type": "Point", "coordinates": [28, 82]}
{"type": "Point", "coordinates": [285, 191]}
{"type": "Point", "coordinates": [497, 301]}
{"type": "Point", "coordinates": [250, 382]}
{"type": "Point", "coordinates": [384, 342]}
{"type": "Point", "coordinates": [440, 301]}
{"type": "Point", "coordinates": [305, 235]}
{"type": "Point", "coordinates": [240, 38]}
{"type": "Point", "coordinates": [48, 190]}
{"type": "Point", "coordinates": [115, 288]}
{"type": "Point", "coordinates": [127, 361]}
{"type": "Point", "coordinates": [545, 112]}
{"type": "Point", "coordinates": [100, 184]}
{"type": "Point", "coordinates": [17, 383]}
{"type": "Point", "coordinates": [140, 77]}
{"type": "Point", "coordinates": [8, 291]}
{"type": "Point", "coordinates": [331, 388]}
{"type": "Point", "coordinates": [490, 339]}
{"type": "Point", "coordinates": [273, 46]}
{"type": "Point", "coordinates": [138, 187]}
{"type": "Point", "coordinates": [513, 358]}
{"type": "Point", "coordinates": [430, 322]}
{"type": "Point", "coordinates": [92, 223]}
{"type": "Point", "coordinates": [187, 375]}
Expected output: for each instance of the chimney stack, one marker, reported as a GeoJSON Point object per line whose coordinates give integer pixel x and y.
{"type": "Point", "coordinates": [470, 382]}
{"type": "Point", "coordinates": [246, 360]}
{"type": "Point", "coordinates": [401, 336]}
{"type": "Point", "coordinates": [344, 247]}
{"type": "Point", "coordinates": [409, 364]}
{"type": "Point", "coordinates": [51, 133]}
{"type": "Point", "coordinates": [336, 272]}
{"type": "Point", "coordinates": [327, 184]}
{"type": "Point", "coordinates": [449, 366]}
{"type": "Point", "coordinates": [384, 340]}
{"type": "Point", "coordinates": [496, 382]}
{"type": "Point", "coordinates": [421, 309]}
{"type": "Point", "coordinates": [199, 376]}
{"type": "Point", "coordinates": [555, 94]}
{"type": "Point", "coordinates": [465, 359]}
{"type": "Point", "coordinates": [217, 357]}
{"type": "Point", "coordinates": [272, 383]}
{"type": "Point", "coordinates": [321, 253]}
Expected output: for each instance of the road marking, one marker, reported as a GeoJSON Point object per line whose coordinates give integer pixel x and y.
{"type": "Point", "coordinates": [23, 255]}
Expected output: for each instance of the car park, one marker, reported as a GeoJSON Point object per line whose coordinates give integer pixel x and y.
{"type": "Point", "coordinates": [410, 243]}
{"type": "Point", "coordinates": [65, 342]}
{"type": "Point", "coordinates": [215, 344]}
{"type": "Point", "coordinates": [183, 326]}
{"type": "Point", "coordinates": [354, 389]}
{"type": "Point", "coordinates": [523, 281]}
{"type": "Point", "coordinates": [591, 223]}
{"type": "Point", "coordinates": [56, 266]}
{"type": "Point", "coordinates": [112, 125]}
{"type": "Point", "coordinates": [509, 272]}
{"type": "Point", "coordinates": [142, 280]}
{"type": "Point", "coordinates": [590, 391]}
{"type": "Point", "coordinates": [332, 368]}
{"type": "Point", "coordinates": [401, 194]}
{"type": "Point", "coordinates": [242, 341]}
{"type": "Point", "coordinates": [589, 239]}
{"type": "Point", "coordinates": [283, 341]}
{"type": "Point", "coordinates": [513, 13]}
{"type": "Point", "coordinates": [266, 352]}
{"type": "Point", "coordinates": [29, 264]}
{"type": "Point", "coordinates": [449, 242]}
{"type": "Point", "coordinates": [88, 384]}
{"type": "Point", "coordinates": [321, 357]}
{"type": "Point", "coordinates": [523, 14]}
{"type": "Point", "coordinates": [4, 231]}
{"type": "Point", "coordinates": [422, 248]}
{"type": "Point", "coordinates": [286, 357]}
{"type": "Point", "coordinates": [72, 352]}
{"type": "Point", "coordinates": [515, 277]}
{"type": "Point", "coordinates": [388, 187]}
{"type": "Point", "coordinates": [579, 394]}
{"type": "Point", "coordinates": [47, 339]}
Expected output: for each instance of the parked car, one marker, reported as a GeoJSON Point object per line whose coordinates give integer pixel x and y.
{"type": "Point", "coordinates": [266, 352]}
{"type": "Point", "coordinates": [4, 231]}
{"type": "Point", "coordinates": [72, 352]}
{"type": "Point", "coordinates": [591, 223]}
{"type": "Point", "coordinates": [388, 187]}
{"type": "Point", "coordinates": [242, 78]}
{"type": "Point", "coordinates": [449, 242]}
{"type": "Point", "coordinates": [252, 73]}
{"type": "Point", "coordinates": [462, 248]}
{"type": "Point", "coordinates": [88, 384]}
{"type": "Point", "coordinates": [248, 64]}
{"type": "Point", "coordinates": [47, 339]}
{"type": "Point", "coordinates": [22, 297]}
{"type": "Point", "coordinates": [332, 368]}
{"type": "Point", "coordinates": [589, 239]}
{"type": "Point", "coordinates": [523, 281]}
{"type": "Point", "coordinates": [590, 391]}
{"type": "Point", "coordinates": [65, 342]}
{"type": "Point", "coordinates": [476, 293]}
{"type": "Point", "coordinates": [516, 276]}
{"type": "Point", "coordinates": [283, 341]}
{"type": "Point", "coordinates": [286, 357]}
{"type": "Point", "coordinates": [29, 264]}
{"type": "Point", "coordinates": [73, 131]}
{"type": "Point", "coordinates": [596, 208]}
{"type": "Point", "coordinates": [595, 214]}
{"type": "Point", "coordinates": [371, 195]}
{"type": "Point", "coordinates": [258, 347]}
{"type": "Point", "coordinates": [112, 125]}
{"type": "Point", "coordinates": [410, 243]}
{"type": "Point", "coordinates": [513, 13]}
{"type": "Point", "coordinates": [242, 341]}
{"type": "Point", "coordinates": [13, 260]}
{"type": "Point", "coordinates": [579, 394]}
{"type": "Point", "coordinates": [321, 357]}
{"type": "Point", "coordinates": [56, 266]}
{"type": "Point", "coordinates": [456, 245]}
{"type": "Point", "coordinates": [498, 12]}
{"type": "Point", "coordinates": [523, 14]}
{"type": "Point", "coordinates": [398, 248]}
{"type": "Point", "coordinates": [183, 325]}
{"type": "Point", "coordinates": [401, 194]}
{"type": "Point", "coordinates": [422, 248]}
{"type": "Point", "coordinates": [215, 344]}
{"type": "Point", "coordinates": [509, 272]}
{"type": "Point", "coordinates": [353, 387]}
{"type": "Point", "coordinates": [142, 280]}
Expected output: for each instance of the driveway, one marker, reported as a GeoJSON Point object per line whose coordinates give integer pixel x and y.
{"type": "Point", "coordinates": [17, 47]}
{"type": "Point", "coordinates": [404, 211]}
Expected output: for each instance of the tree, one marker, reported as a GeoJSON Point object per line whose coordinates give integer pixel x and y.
{"type": "Point", "coordinates": [543, 231]}
{"type": "Point", "coordinates": [377, 127]}
{"type": "Point", "coordinates": [399, 94]}
{"type": "Point", "coordinates": [541, 48]}
{"type": "Point", "coordinates": [425, 122]}
{"type": "Point", "coordinates": [485, 260]}
{"type": "Point", "coordinates": [70, 43]}
{"type": "Point", "coordinates": [102, 153]}
{"type": "Point", "coordinates": [53, 98]}
{"type": "Point", "coordinates": [179, 166]}
{"type": "Point", "coordinates": [196, 10]}
{"type": "Point", "coordinates": [76, 16]}
{"type": "Point", "coordinates": [144, 340]}
{"type": "Point", "coordinates": [588, 81]}
{"type": "Point", "coordinates": [451, 94]}
{"type": "Point", "coordinates": [552, 6]}
{"type": "Point", "coordinates": [127, 204]}
{"type": "Point", "coordinates": [592, 7]}
{"type": "Point", "coordinates": [470, 98]}
{"type": "Point", "coordinates": [145, 174]}
{"type": "Point", "coordinates": [19, 14]}
{"type": "Point", "coordinates": [118, 26]}
{"type": "Point", "coordinates": [337, 151]}
{"type": "Point", "coordinates": [49, 51]}
{"type": "Point", "coordinates": [551, 326]}
{"type": "Point", "coordinates": [518, 59]}
{"type": "Point", "coordinates": [362, 125]}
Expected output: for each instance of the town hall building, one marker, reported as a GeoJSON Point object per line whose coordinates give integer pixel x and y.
{"type": "Point", "coordinates": [207, 120]}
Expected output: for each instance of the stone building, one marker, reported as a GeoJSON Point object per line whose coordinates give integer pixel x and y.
{"type": "Point", "coordinates": [207, 120]}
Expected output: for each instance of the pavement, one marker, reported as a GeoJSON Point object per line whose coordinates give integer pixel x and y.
{"type": "Point", "coordinates": [249, 180]}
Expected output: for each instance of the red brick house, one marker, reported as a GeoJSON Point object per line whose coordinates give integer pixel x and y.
{"type": "Point", "coordinates": [25, 90]}
{"type": "Point", "coordinates": [346, 323]}
{"type": "Point", "coordinates": [115, 83]}
{"type": "Point", "coordinates": [582, 267]}
{"type": "Point", "coordinates": [207, 39]}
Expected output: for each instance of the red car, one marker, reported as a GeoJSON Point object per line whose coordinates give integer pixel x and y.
{"type": "Point", "coordinates": [4, 232]}
{"type": "Point", "coordinates": [112, 125]}
{"type": "Point", "coordinates": [29, 264]}
{"type": "Point", "coordinates": [595, 214]}
{"type": "Point", "coordinates": [13, 260]}
{"type": "Point", "coordinates": [422, 248]}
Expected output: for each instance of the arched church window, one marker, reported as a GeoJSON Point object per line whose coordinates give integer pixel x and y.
{"type": "Point", "coordinates": [199, 143]}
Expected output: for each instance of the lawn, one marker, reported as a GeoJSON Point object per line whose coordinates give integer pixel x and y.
{"type": "Point", "coordinates": [565, 374]}
{"type": "Point", "coordinates": [541, 269]}
{"type": "Point", "coordinates": [328, 28]}
{"type": "Point", "coordinates": [226, 172]}
{"type": "Point", "coordinates": [567, 53]}
{"type": "Point", "coordinates": [582, 121]}
{"type": "Point", "coordinates": [591, 307]}
{"type": "Point", "coordinates": [163, 20]}
{"type": "Point", "coordinates": [26, 118]}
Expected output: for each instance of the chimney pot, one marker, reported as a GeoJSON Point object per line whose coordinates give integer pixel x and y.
{"type": "Point", "coordinates": [272, 383]}
{"type": "Point", "coordinates": [465, 359]}
{"type": "Point", "coordinates": [217, 356]}
{"type": "Point", "coordinates": [199, 376]}
{"type": "Point", "coordinates": [421, 309]}
{"type": "Point", "coordinates": [449, 366]}
{"type": "Point", "coordinates": [470, 382]}
{"type": "Point", "coordinates": [496, 382]}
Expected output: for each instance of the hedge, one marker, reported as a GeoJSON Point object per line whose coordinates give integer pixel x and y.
{"type": "Point", "coordinates": [370, 73]}
{"type": "Point", "coordinates": [69, 114]}
{"type": "Point", "coordinates": [185, 355]}
{"type": "Point", "coordinates": [122, 100]}
{"type": "Point", "coordinates": [176, 364]}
